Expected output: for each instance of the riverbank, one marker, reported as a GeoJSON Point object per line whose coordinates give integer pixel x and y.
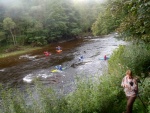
{"type": "Point", "coordinates": [17, 51]}
{"type": "Point", "coordinates": [11, 50]}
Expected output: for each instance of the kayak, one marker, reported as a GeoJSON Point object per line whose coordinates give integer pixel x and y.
{"type": "Point", "coordinates": [103, 58]}
{"type": "Point", "coordinates": [56, 70]}
{"type": "Point", "coordinates": [58, 51]}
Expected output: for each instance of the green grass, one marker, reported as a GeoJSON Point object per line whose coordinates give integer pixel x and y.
{"type": "Point", "coordinates": [22, 50]}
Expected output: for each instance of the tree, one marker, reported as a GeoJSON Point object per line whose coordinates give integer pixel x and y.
{"type": "Point", "coordinates": [136, 23]}
{"type": "Point", "coordinates": [106, 22]}
{"type": "Point", "coordinates": [9, 25]}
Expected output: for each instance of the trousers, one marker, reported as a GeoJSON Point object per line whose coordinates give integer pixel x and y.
{"type": "Point", "coordinates": [130, 101]}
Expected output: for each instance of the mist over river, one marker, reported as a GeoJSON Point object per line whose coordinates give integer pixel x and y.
{"type": "Point", "coordinates": [21, 70]}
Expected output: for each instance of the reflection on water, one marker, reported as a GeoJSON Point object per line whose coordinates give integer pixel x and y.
{"type": "Point", "coordinates": [23, 69]}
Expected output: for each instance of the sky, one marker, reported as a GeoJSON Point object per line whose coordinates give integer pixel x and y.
{"type": "Point", "coordinates": [88, 0]}
{"type": "Point", "coordinates": [8, 2]}
{"type": "Point", "coordinates": [17, 3]}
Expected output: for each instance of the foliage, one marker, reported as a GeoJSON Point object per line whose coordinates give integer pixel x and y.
{"type": "Point", "coordinates": [9, 25]}
{"type": "Point", "coordinates": [49, 18]}
{"type": "Point", "coordinates": [37, 41]}
{"type": "Point", "coordinates": [128, 17]}
{"type": "Point", "coordinates": [2, 39]}
{"type": "Point", "coordinates": [108, 19]}
{"type": "Point", "coordinates": [38, 99]}
{"type": "Point", "coordinates": [84, 99]}
{"type": "Point", "coordinates": [136, 58]}
{"type": "Point", "coordinates": [12, 103]}
{"type": "Point", "coordinates": [136, 22]}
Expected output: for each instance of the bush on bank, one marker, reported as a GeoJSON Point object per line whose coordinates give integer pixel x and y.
{"type": "Point", "coordinates": [104, 95]}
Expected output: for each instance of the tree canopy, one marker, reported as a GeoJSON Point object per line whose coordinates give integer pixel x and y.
{"type": "Point", "coordinates": [128, 17]}
{"type": "Point", "coordinates": [49, 20]}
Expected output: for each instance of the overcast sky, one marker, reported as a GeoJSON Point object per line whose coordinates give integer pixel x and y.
{"type": "Point", "coordinates": [18, 3]}
{"type": "Point", "coordinates": [10, 2]}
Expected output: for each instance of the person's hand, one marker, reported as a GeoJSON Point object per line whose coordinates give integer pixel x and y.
{"type": "Point", "coordinates": [127, 86]}
{"type": "Point", "coordinates": [123, 85]}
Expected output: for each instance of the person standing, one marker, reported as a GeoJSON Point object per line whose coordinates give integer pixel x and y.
{"type": "Point", "coordinates": [130, 86]}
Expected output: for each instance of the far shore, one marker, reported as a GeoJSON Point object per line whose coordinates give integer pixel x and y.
{"type": "Point", "coordinates": [26, 49]}
{"type": "Point", "coordinates": [18, 52]}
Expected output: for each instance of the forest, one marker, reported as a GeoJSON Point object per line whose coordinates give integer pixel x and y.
{"type": "Point", "coordinates": [37, 23]}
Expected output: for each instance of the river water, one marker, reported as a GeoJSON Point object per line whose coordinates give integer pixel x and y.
{"type": "Point", "coordinates": [23, 69]}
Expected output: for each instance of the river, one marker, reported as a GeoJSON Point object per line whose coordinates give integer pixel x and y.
{"type": "Point", "coordinates": [21, 70]}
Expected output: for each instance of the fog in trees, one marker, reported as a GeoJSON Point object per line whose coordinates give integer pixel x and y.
{"type": "Point", "coordinates": [46, 21]}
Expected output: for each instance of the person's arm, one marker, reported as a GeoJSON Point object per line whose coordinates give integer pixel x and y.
{"type": "Point", "coordinates": [123, 82]}
{"type": "Point", "coordinates": [135, 86]}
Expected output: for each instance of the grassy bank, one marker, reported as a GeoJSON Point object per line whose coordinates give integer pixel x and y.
{"type": "Point", "coordinates": [13, 50]}
{"type": "Point", "coordinates": [103, 96]}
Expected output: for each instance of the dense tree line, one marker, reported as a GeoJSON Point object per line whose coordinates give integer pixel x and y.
{"type": "Point", "coordinates": [40, 22]}
{"type": "Point", "coordinates": [129, 17]}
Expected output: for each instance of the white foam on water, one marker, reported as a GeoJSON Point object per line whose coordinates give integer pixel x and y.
{"type": "Point", "coordinates": [2, 70]}
{"type": "Point", "coordinates": [28, 56]}
{"type": "Point", "coordinates": [87, 62]}
{"type": "Point", "coordinates": [45, 75]}
{"type": "Point", "coordinates": [29, 78]}
{"type": "Point", "coordinates": [96, 39]}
